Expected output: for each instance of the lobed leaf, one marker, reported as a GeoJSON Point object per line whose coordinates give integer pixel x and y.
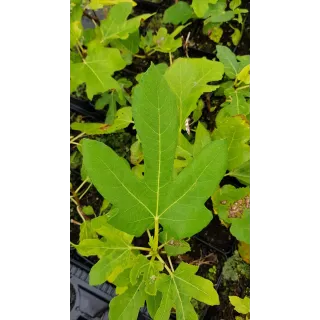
{"type": "Point", "coordinates": [236, 102]}
{"type": "Point", "coordinates": [86, 231]}
{"type": "Point", "coordinates": [165, 42]}
{"type": "Point", "coordinates": [172, 246]}
{"type": "Point", "coordinates": [150, 270]}
{"type": "Point", "coordinates": [188, 79]}
{"type": "Point", "coordinates": [96, 70]}
{"type": "Point", "coordinates": [178, 13]}
{"type": "Point", "coordinates": [116, 25]}
{"type": "Point", "coordinates": [178, 204]}
{"type": "Point", "coordinates": [179, 287]}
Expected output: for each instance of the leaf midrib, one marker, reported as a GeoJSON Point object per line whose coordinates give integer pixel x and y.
{"type": "Point", "coordinates": [131, 299]}
{"type": "Point", "coordinates": [126, 187]}
{"type": "Point", "coordinates": [196, 181]}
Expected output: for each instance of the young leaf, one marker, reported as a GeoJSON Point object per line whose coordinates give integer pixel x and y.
{"type": "Point", "coordinates": [179, 287]}
{"type": "Point", "coordinates": [235, 103]}
{"type": "Point", "coordinates": [216, 34]}
{"type": "Point", "coordinates": [127, 305]}
{"type": "Point", "coordinates": [116, 26]}
{"type": "Point", "coordinates": [146, 43]}
{"type": "Point", "coordinates": [188, 79]}
{"type": "Point", "coordinates": [173, 247]}
{"type": "Point", "coordinates": [150, 270]}
{"type": "Point", "coordinates": [178, 13]}
{"type": "Point", "coordinates": [166, 42]}
{"type": "Point", "coordinates": [228, 58]}
{"type": "Point", "coordinates": [88, 210]}
{"type": "Point", "coordinates": [241, 305]}
{"type": "Point", "coordinates": [200, 7]}
{"type": "Point", "coordinates": [123, 119]}
{"type": "Point", "coordinates": [236, 131]}
{"type": "Point", "coordinates": [96, 70]}
{"type": "Point", "coordinates": [86, 231]}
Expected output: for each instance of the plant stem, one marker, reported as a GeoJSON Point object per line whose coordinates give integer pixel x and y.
{"type": "Point", "coordinates": [165, 265]}
{"type": "Point", "coordinates": [151, 52]}
{"type": "Point", "coordinates": [77, 201]}
{"type": "Point", "coordinates": [170, 57]}
{"type": "Point", "coordinates": [141, 248]}
{"type": "Point", "coordinates": [75, 222]}
{"type": "Point", "coordinates": [80, 50]}
{"type": "Point", "coordinates": [85, 191]}
{"type": "Point", "coordinates": [81, 185]}
{"type": "Point", "coordinates": [74, 201]}
{"type": "Point", "coordinates": [244, 87]}
{"type": "Point", "coordinates": [149, 234]}
{"type": "Point", "coordinates": [81, 213]}
{"type": "Point", "coordinates": [156, 233]}
{"type": "Point", "coordinates": [78, 136]}
{"type": "Point", "coordinates": [139, 56]}
{"type": "Point", "coordinates": [170, 262]}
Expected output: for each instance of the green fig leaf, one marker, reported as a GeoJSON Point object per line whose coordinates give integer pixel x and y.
{"type": "Point", "coordinates": [178, 13]}
{"type": "Point", "coordinates": [179, 287]}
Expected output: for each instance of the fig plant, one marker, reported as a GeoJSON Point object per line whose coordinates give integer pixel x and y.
{"type": "Point", "coordinates": [169, 204]}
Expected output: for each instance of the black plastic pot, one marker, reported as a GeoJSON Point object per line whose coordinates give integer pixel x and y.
{"type": "Point", "coordinates": [85, 108]}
